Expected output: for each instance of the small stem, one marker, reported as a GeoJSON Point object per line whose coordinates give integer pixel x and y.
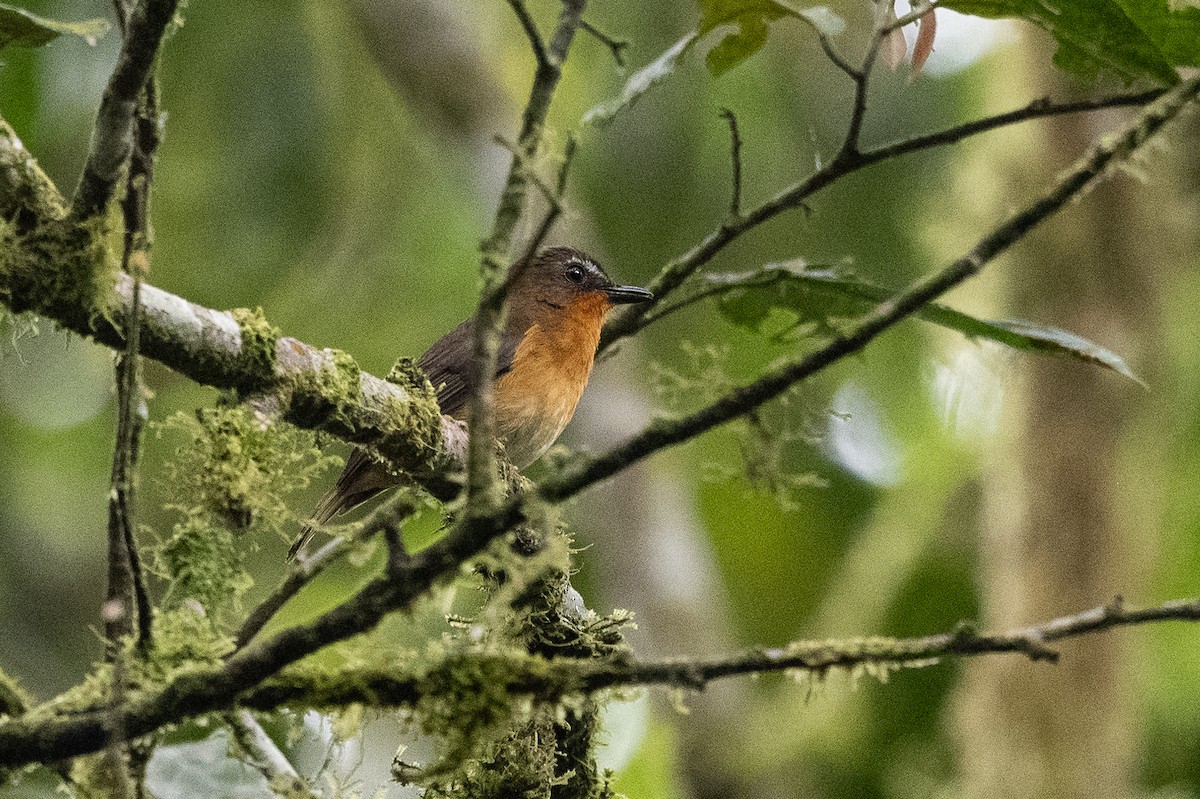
{"type": "Point", "coordinates": [536, 43]}
{"type": "Point", "coordinates": [112, 135]}
{"type": "Point", "coordinates": [266, 757]}
{"type": "Point", "coordinates": [735, 146]}
{"type": "Point", "coordinates": [616, 46]}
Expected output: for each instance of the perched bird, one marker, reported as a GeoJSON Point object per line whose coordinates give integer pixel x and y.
{"type": "Point", "coordinates": [556, 308]}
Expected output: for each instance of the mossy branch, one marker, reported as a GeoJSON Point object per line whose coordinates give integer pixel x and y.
{"type": "Point", "coordinates": [482, 485]}
{"type": "Point", "coordinates": [60, 268]}
{"type": "Point", "coordinates": [246, 680]}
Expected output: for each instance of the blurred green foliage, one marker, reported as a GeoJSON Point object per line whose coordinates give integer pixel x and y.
{"type": "Point", "coordinates": [313, 166]}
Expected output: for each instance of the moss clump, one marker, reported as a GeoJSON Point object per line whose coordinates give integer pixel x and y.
{"type": "Point", "coordinates": [406, 374]}
{"type": "Point", "coordinates": [471, 701]}
{"type": "Point", "coordinates": [229, 475]}
{"type": "Point", "coordinates": [203, 564]}
{"type": "Point", "coordinates": [64, 269]}
{"type": "Point", "coordinates": [259, 341]}
{"type": "Point", "coordinates": [324, 396]}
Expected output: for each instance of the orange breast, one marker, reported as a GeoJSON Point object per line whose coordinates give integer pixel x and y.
{"type": "Point", "coordinates": [550, 369]}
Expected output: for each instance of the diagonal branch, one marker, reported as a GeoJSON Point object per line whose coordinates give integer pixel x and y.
{"type": "Point", "coordinates": [677, 271]}
{"type": "Point", "coordinates": [112, 136]}
{"type": "Point", "coordinates": [392, 512]}
{"type": "Point", "coordinates": [202, 691]}
{"type": "Point", "coordinates": [665, 433]}
{"type": "Point", "coordinates": [266, 757]}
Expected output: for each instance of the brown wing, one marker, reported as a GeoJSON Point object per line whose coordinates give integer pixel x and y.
{"type": "Point", "coordinates": [447, 363]}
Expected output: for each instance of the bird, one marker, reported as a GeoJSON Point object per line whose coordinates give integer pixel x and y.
{"type": "Point", "coordinates": [557, 305]}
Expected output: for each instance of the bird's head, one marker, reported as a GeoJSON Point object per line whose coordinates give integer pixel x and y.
{"type": "Point", "coordinates": [562, 279]}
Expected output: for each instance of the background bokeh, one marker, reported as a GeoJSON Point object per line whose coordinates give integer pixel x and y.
{"type": "Point", "coordinates": [335, 163]}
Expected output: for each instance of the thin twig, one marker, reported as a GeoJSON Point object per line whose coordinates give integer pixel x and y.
{"type": "Point", "coordinates": [664, 433]}
{"type": "Point", "coordinates": [919, 10]}
{"type": "Point", "coordinates": [482, 485]}
{"type": "Point", "coordinates": [392, 512]}
{"type": "Point", "coordinates": [735, 147]}
{"type": "Point", "coordinates": [680, 269]}
{"type": "Point", "coordinates": [832, 54]}
{"type": "Point", "coordinates": [536, 43]}
{"type": "Point", "coordinates": [617, 46]}
{"type": "Point", "coordinates": [282, 777]}
{"type": "Point", "coordinates": [862, 83]}
{"type": "Point", "coordinates": [551, 217]}
{"type": "Point", "coordinates": [119, 782]}
{"type": "Point", "coordinates": [127, 581]}
{"type": "Point", "coordinates": [112, 136]}
{"type": "Point", "coordinates": [303, 570]}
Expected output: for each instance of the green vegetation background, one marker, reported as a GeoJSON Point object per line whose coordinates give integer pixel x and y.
{"type": "Point", "coordinates": [333, 162]}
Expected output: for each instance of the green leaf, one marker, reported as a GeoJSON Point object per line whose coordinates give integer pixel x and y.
{"type": "Point", "coordinates": [1129, 38]}
{"type": "Point", "coordinates": [751, 17]}
{"type": "Point", "coordinates": [21, 27]}
{"type": "Point", "coordinates": [737, 47]}
{"type": "Point", "coordinates": [641, 82]}
{"type": "Point", "coordinates": [817, 295]}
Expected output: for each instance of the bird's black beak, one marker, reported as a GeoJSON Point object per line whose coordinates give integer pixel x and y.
{"type": "Point", "coordinates": [623, 295]}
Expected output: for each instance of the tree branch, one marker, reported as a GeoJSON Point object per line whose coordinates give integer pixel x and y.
{"type": "Point", "coordinates": [264, 755]}
{"type": "Point", "coordinates": [565, 677]}
{"type": "Point", "coordinates": [664, 433]}
{"type": "Point", "coordinates": [552, 680]}
{"type": "Point", "coordinates": [319, 389]}
{"type": "Point", "coordinates": [206, 690]}
{"type": "Point", "coordinates": [112, 136]}
{"type": "Point", "coordinates": [634, 318]}
{"type": "Point", "coordinates": [482, 485]}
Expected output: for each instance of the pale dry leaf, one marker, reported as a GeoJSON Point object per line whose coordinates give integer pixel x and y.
{"type": "Point", "coordinates": [926, 32]}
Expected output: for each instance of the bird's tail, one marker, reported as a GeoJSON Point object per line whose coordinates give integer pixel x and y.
{"type": "Point", "coordinates": [330, 505]}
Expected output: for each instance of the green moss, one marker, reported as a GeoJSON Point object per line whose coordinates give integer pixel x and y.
{"type": "Point", "coordinates": [65, 270]}
{"type": "Point", "coordinates": [325, 396]}
{"type": "Point", "coordinates": [229, 475]}
{"type": "Point", "coordinates": [27, 196]}
{"type": "Point", "coordinates": [406, 374]}
{"type": "Point", "coordinates": [204, 564]}
{"type": "Point", "coordinates": [259, 347]}
{"type": "Point", "coordinates": [13, 699]}
{"type": "Point", "coordinates": [493, 739]}
{"type": "Point", "coordinates": [186, 647]}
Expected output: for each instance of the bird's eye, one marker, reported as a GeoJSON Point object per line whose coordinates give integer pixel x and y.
{"type": "Point", "coordinates": [575, 275]}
